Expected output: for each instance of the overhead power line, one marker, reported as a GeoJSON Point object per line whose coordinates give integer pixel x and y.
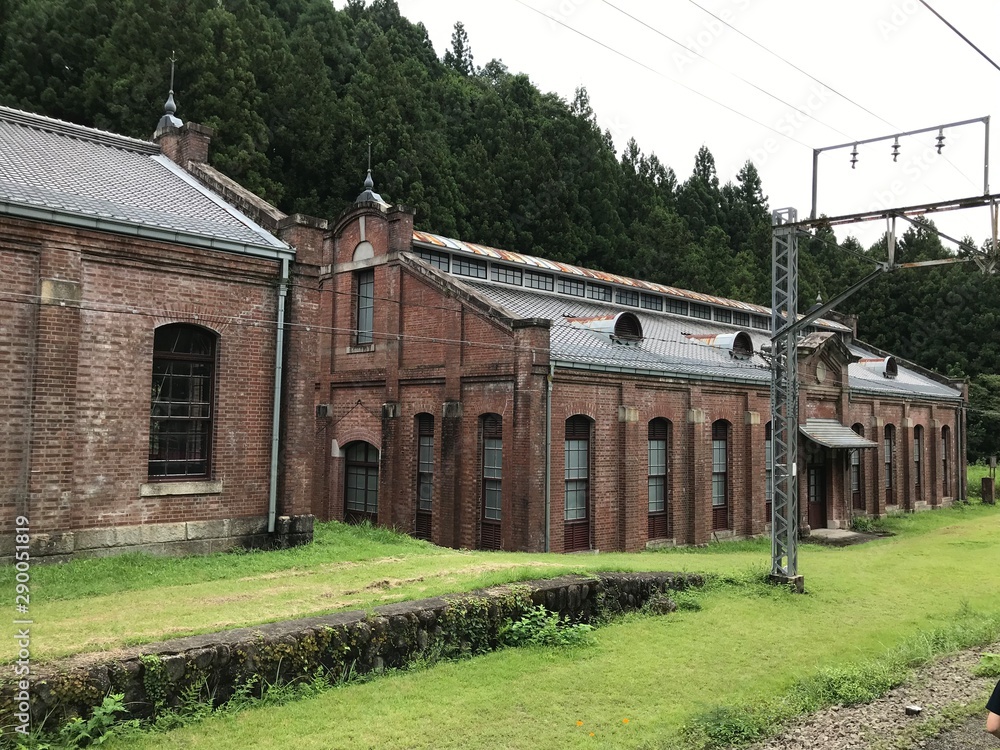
{"type": "Point", "coordinates": [660, 73]}
{"type": "Point", "coordinates": [771, 52]}
{"type": "Point", "coordinates": [843, 96]}
{"type": "Point", "coordinates": [963, 36]}
{"type": "Point", "coordinates": [734, 75]}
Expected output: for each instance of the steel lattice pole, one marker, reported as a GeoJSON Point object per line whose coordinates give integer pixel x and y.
{"type": "Point", "coordinates": [784, 396]}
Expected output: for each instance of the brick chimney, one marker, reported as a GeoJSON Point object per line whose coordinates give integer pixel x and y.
{"type": "Point", "coordinates": [188, 143]}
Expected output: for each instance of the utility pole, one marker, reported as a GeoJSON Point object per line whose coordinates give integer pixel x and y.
{"type": "Point", "coordinates": [786, 324]}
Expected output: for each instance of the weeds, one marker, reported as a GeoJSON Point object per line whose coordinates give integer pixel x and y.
{"type": "Point", "coordinates": [81, 733]}
{"type": "Point", "coordinates": [869, 525]}
{"type": "Point", "coordinates": [539, 627]}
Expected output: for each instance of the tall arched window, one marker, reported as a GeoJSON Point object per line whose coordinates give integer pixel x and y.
{"type": "Point", "coordinates": [491, 500]}
{"type": "Point", "coordinates": [658, 481]}
{"type": "Point", "coordinates": [945, 461]}
{"type": "Point", "coordinates": [889, 450]}
{"type": "Point", "coordinates": [720, 475]}
{"type": "Point", "coordinates": [425, 475]}
{"type": "Point", "coordinates": [180, 421]}
{"type": "Point", "coordinates": [577, 488]}
{"type": "Point", "coordinates": [768, 473]}
{"type": "Point", "coordinates": [858, 473]}
{"type": "Point", "coordinates": [361, 483]}
{"type": "Point", "coordinates": [364, 311]}
{"type": "Point", "coordinates": [918, 461]}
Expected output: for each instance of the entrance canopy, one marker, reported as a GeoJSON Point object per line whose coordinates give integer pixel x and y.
{"type": "Point", "coordinates": [832, 434]}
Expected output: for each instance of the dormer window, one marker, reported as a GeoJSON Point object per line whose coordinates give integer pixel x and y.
{"type": "Point", "coordinates": [884, 366]}
{"type": "Point", "coordinates": [739, 345]}
{"type": "Point", "coordinates": [623, 328]}
{"type": "Point", "coordinates": [628, 328]}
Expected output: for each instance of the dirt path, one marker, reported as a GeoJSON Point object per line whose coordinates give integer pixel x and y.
{"type": "Point", "coordinates": [939, 689]}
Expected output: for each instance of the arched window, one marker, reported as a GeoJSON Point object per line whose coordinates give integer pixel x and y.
{"type": "Point", "coordinates": [858, 473]}
{"type": "Point", "coordinates": [577, 488]}
{"type": "Point", "coordinates": [361, 483]}
{"type": "Point", "coordinates": [720, 475]}
{"type": "Point", "coordinates": [180, 422]}
{"type": "Point", "coordinates": [945, 460]}
{"type": "Point", "coordinates": [491, 500]}
{"type": "Point", "coordinates": [425, 475]}
{"type": "Point", "coordinates": [659, 484]}
{"type": "Point", "coordinates": [768, 472]}
{"type": "Point", "coordinates": [889, 449]}
{"type": "Point", "coordinates": [364, 312]}
{"type": "Point", "coordinates": [918, 461]}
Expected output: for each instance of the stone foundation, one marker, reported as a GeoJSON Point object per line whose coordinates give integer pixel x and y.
{"type": "Point", "coordinates": [166, 539]}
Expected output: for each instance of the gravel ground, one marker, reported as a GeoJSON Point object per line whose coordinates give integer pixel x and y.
{"type": "Point", "coordinates": [883, 724]}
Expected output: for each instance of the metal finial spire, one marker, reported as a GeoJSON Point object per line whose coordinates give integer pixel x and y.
{"type": "Point", "coordinates": [169, 107]}
{"type": "Point", "coordinates": [369, 182]}
{"type": "Point", "coordinates": [368, 194]}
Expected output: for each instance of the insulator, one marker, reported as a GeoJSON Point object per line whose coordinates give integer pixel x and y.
{"type": "Point", "coordinates": [895, 149]}
{"type": "Point", "coordinates": [854, 156]}
{"type": "Point", "coordinates": [940, 140]}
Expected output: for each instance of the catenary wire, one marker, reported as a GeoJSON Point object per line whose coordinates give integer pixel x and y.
{"type": "Point", "coordinates": [734, 75]}
{"type": "Point", "coordinates": [661, 74]}
{"type": "Point", "coordinates": [963, 36]}
{"type": "Point", "coordinates": [814, 78]}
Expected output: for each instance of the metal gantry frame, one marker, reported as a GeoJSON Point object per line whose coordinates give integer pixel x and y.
{"type": "Point", "coordinates": [786, 325]}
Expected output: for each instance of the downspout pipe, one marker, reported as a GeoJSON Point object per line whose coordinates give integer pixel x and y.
{"type": "Point", "coordinates": [962, 470]}
{"type": "Point", "coordinates": [548, 457]}
{"type": "Point", "coordinates": [279, 357]}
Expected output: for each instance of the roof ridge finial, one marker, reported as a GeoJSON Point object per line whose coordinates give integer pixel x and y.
{"type": "Point", "coordinates": [169, 120]}
{"type": "Point", "coordinates": [170, 106]}
{"type": "Point", "coordinates": [369, 182]}
{"type": "Point", "coordinates": [368, 194]}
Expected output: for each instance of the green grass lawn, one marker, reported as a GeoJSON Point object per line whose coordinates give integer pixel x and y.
{"type": "Point", "coordinates": [103, 604]}
{"type": "Point", "coordinates": [748, 646]}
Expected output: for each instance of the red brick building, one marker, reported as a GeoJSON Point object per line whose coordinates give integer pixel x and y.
{"type": "Point", "coordinates": [488, 399]}
{"type": "Point", "coordinates": [189, 368]}
{"type": "Point", "coordinates": [138, 331]}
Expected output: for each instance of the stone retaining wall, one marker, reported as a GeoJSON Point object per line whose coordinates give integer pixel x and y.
{"type": "Point", "coordinates": [156, 676]}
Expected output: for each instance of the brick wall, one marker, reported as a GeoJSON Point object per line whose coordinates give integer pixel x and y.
{"type": "Point", "coordinates": [78, 323]}
{"type": "Point", "coordinates": [445, 352]}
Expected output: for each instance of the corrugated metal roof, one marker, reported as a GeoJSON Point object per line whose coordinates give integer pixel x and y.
{"type": "Point", "coordinates": [664, 349]}
{"type": "Point", "coordinates": [906, 383]}
{"type": "Point", "coordinates": [70, 169]}
{"type": "Point", "coordinates": [667, 349]}
{"type": "Point", "coordinates": [435, 240]}
{"type": "Point", "coordinates": [833, 434]}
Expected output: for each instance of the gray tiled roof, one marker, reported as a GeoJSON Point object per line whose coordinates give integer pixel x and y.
{"type": "Point", "coordinates": [71, 170]}
{"type": "Point", "coordinates": [906, 383]}
{"type": "Point", "coordinates": [666, 350]}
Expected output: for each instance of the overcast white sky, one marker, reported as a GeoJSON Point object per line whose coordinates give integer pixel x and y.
{"type": "Point", "coordinates": [891, 57]}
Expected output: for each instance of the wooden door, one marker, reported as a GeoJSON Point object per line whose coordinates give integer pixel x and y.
{"type": "Point", "coordinates": [817, 497]}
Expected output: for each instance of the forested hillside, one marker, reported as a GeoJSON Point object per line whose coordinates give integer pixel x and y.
{"type": "Point", "coordinates": [295, 88]}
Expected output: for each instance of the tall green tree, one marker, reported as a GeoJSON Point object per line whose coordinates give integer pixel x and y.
{"type": "Point", "coordinates": [459, 57]}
